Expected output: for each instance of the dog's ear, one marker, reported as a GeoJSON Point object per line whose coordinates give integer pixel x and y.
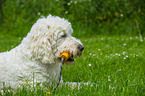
{"type": "Point", "coordinates": [41, 47]}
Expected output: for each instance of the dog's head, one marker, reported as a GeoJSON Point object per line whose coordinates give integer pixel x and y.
{"type": "Point", "coordinates": [50, 37]}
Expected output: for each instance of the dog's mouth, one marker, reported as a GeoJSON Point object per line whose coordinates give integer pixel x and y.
{"type": "Point", "coordinates": [71, 59]}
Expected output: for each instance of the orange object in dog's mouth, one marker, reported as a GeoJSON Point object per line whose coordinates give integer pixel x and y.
{"type": "Point", "coordinates": [67, 57]}
{"type": "Point", "coordinates": [70, 59]}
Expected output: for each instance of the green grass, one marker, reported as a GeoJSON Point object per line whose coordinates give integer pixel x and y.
{"type": "Point", "coordinates": [117, 68]}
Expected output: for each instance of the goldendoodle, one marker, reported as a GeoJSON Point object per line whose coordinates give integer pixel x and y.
{"type": "Point", "coordinates": [37, 58]}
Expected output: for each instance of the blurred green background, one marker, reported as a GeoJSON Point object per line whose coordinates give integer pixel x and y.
{"type": "Point", "coordinates": [88, 17]}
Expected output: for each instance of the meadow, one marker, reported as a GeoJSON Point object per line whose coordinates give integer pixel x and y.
{"type": "Point", "coordinates": [112, 63]}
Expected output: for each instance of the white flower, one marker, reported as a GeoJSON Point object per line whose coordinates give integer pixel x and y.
{"type": "Point", "coordinates": [141, 40]}
{"type": "Point", "coordinates": [19, 38]}
{"type": "Point", "coordinates": [99, 49]}
{"type": "Point", "coordinates": [121, 15]}
{"type": "Point", "coordinates": [118, 70]}
{"type": "Point", "coordinates": [124, 53]}
{"type": "Point", "coordinates": [124, 58]}
{"type": "Point", "coordinates": [66, 12]}
{"type": "Point", "coordinates": [2, 92]}
{"type": "Point", "coordinates": [94, 54]}
{"type": "Point", "coordinates": [89, 64]}
{"type": "Point", "coordinates": [124, 44]}
{"type": "Point", "coordinates": [136, 37]}
{"type": "Point", "coordinates": [109, 79]}
{"type": "Point", "coordinates": [68, 4]}
{"type": "Point", "coordinates": [38, 13]}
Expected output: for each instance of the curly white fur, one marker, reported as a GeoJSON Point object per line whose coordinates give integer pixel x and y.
{"type": "Point", "coordinates": [39, 53]}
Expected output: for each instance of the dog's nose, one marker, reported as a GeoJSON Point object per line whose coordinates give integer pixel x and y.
{"type": "Point", "coordinates": [81, 48]}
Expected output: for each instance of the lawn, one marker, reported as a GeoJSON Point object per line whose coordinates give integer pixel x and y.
{"type": "Point", "coordinates": [110, 65]}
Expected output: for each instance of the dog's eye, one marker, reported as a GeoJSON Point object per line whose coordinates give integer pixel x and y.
{"type": "Point", "coordinates": [64, 35]}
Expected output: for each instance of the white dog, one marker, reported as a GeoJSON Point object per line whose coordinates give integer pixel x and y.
{"type": "Point", "coordinates": [37, 58]}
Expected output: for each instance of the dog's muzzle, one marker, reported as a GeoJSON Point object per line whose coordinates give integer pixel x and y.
{"type": "Point", "coordinates": [81, 47]}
